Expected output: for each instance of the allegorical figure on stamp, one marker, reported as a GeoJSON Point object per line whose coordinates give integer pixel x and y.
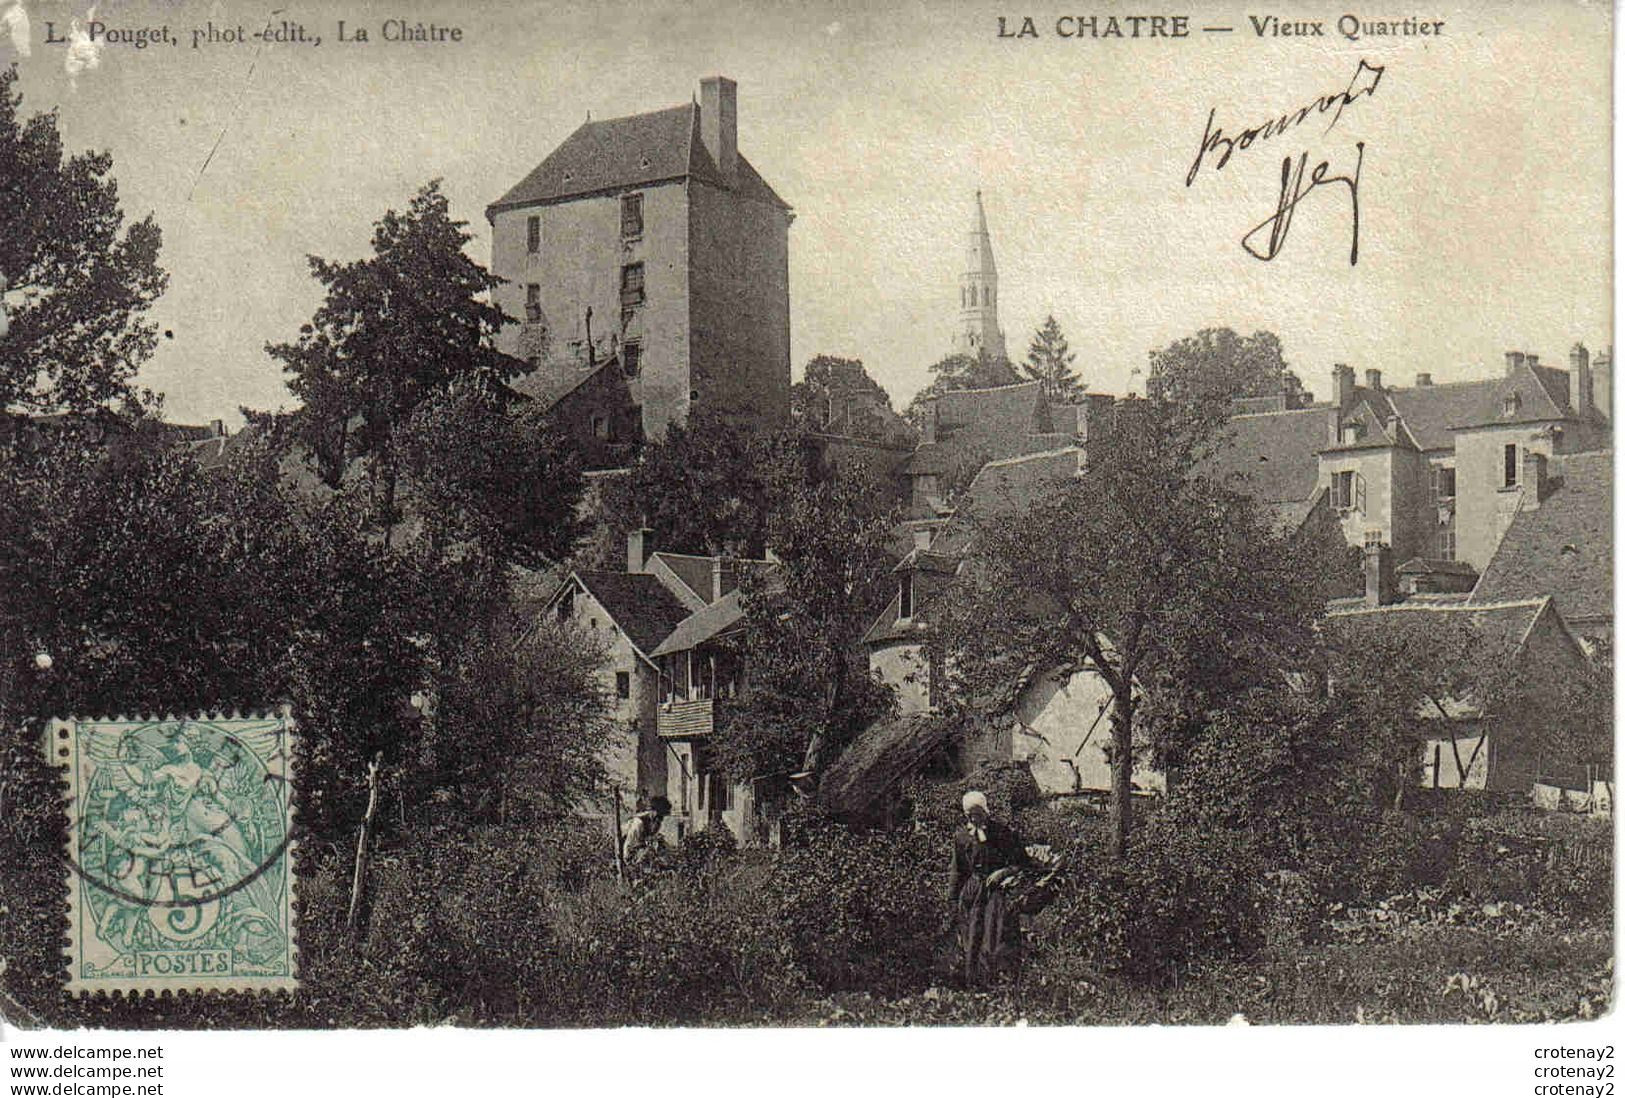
{"type": "Point", "coordinates": [181, 844]}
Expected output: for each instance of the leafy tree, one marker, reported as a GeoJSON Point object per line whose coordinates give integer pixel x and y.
{"type": "Point", "coordinates": [1217, 361]}
{"type": "Point", "coordinates": [810, 686]}
{"type": "Point", "coordinates": [485, 470]}
{"type": "Point", "coordinates": [705, 488]}
{"type": "Point", "coordinates": [1406, 678]}
{"type": "Point", "coordinates": [76, 280]}
{"type": "Point", "coordinates": [1144, 569]}
{"type": "Point", "coordinates": [1049, 361]}
{"type": "Point", "coordinates": [959, 371]}
{"type": "Point", "coordinates": [395, 328]}
{"type": "Point", "coordinates": [837, 393]}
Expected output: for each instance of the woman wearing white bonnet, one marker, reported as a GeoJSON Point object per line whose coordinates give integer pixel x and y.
{"type": "Point", "coordinates": [985, 851]}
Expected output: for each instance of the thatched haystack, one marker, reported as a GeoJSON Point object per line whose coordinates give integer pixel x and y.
{"type": "Point", "coordinates": [858, 787]}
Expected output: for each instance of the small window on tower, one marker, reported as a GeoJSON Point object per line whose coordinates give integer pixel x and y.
{"type": "Point", "coordinates": [623, 685]}
{"type": "Point", "coordinates": [631, 216]}
{"type": "Point", "coordinates": [987, 296]}
{"type": "Point", "coordinates": [533, 302]}
{"type": "Point", "coordinates": [533, 234]}
{"type": "Point", "coordinates": [632, 357]}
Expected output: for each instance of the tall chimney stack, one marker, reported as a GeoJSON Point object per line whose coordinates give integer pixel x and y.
{"type": "Point", "coordinates": [1514, 362]}
{"type": "Point", "coordinates": [719, 124]}
{"type": "Point", "coordinates": [1378, 567]}
{"type": "Point", "coordinates": [1582, 388]}
{"type": "Point", "coordinates": [640, 546]}
{"type": "Point", "coordinates": [1342, 386]}
{"type": "Point", "coordinates": [1373, 379]}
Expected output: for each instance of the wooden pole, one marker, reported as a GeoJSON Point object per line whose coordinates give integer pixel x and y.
{"type": "Point", "coordinates": [620, 856]}
{"type": "Point", "coordinates": [362, 841]}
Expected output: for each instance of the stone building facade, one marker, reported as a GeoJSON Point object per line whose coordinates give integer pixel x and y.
{"type": "Point", "coordinates": [651, 241]}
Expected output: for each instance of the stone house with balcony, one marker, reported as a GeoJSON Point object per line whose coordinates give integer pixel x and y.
{"type": "Point", "coordinates": [668, 624]}
{"type": "Point", "coordinates": [649, 246]}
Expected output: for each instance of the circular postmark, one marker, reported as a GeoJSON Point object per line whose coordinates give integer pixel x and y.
{"type": "Point", "coordinates": [180, 828]}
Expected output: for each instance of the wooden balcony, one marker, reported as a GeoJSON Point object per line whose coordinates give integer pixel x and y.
{"type": "Point", "coordinates": [682, 720]}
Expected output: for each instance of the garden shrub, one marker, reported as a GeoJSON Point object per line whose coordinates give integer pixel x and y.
{"type": "Point", "coordinates": [864, 910]}
{"type": "Point", "coordinates": [1181, 895]}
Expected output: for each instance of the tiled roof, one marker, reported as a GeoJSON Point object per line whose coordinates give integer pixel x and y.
{"type": "Point", "coordinates": [1272, 455]}
{"type": "Point", "coordinates": [694, 572]}
{"type": "Point", "coordinates": [1422, 566]}
{"type": "Point", "coordinates": [1430, 411]}
{"type": "Point", "coordinates": [1014, 484]}
{"type": "Point", "coordinates": [1508, 622]}
{"type": "Point", "coordinates": [618, 153]}
{"type": "Point", "coordinates": [1536, 402]}
{"type": "Point", "coordinates": [641, 606]}
{"type": "Point", "coordinates": [547, 385]}
{"type": "Point", "coordinates": [703, 625]}
{"type": "Point", "coordinates": [1563, 548]}
{"type": "Point", "coordinates": [1004, 415]}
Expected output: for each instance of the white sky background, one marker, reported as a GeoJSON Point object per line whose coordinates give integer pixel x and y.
{"type": "Point", "coordinates": [1484, 193]}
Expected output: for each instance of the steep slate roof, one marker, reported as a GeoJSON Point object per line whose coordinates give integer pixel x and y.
{"type": "Point", "coordinates": [1564, 548]}
{"type": "Point", "coordinates": [694, 572]}
{"type": "Point", "coordinates": [617, 153]}
{"type": "Point", "coordinates": [1537, 402]}
{"type": "Point", "coordinates": [640, 604]}
{"type": "Point", "coordinates": [1000, 417]}
{"type": "Point", "coordinates": [1430, 411]}
{"type": "Point", "coordinates": [1272, 455]}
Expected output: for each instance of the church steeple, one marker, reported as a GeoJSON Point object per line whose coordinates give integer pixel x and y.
{"type": "Point", "coordinates": [979, 332]}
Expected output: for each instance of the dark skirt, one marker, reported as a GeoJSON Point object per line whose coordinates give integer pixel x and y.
{"type": "Point", "coordinates": [989, 931]}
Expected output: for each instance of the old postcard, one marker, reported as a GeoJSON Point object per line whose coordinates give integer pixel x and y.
{"type": "Point", "coordinates": [738, 514]}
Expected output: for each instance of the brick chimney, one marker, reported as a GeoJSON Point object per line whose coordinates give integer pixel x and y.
{"type": "Point", "coordinates": [1378, 567]}
{"type": "Point", "coordinates": [1535, 488]}
{"type": "Point", "coordinates": [1424, 380]}
{"type": "Point", "coordinates": [640, 546]}
{"type": "Point", "coordinates": [1514, 362]}
{"type": "Point", "coordinates": [1531, 359]}
{"type": "Point", "coordinates": [1582, 388]}
{"type": "Point", "coordinates": [1342, 386]}
{"type": "Point", "coordinates": [719, 124]}
{"type": "Point", "coordinates": [217, 428]}
{"type": "Point", "coordinates": [1373, 379]}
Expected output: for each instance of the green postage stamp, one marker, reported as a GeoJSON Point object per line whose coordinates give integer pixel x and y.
{"type": "Point", "coordinates": [180, 863]}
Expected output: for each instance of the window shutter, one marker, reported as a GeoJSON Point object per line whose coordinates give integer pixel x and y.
{"type": "Point", "coordinates": [1359, 493]}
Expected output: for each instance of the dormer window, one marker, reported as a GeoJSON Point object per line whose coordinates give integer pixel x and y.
{"type": "Point", "coordinates": [1510, 404]}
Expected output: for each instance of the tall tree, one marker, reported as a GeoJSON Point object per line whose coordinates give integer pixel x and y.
{"type": "Point", "coordinates": [810, 686]}
{"type": "Point", "coordinates": [75, 281]}
{"type": "Point", "coordinates": [1218, 361]}
{"type": "Point", "coordinates": [395, 328]}
{"type": "Point", "coordinates": [491, 472]}
{"type": "Point", "coordinates": [704, 488]}
{"type": "Point", "coordinates": [1049, 362]}
{"type": "Point", "coordinates": [1139, 569]}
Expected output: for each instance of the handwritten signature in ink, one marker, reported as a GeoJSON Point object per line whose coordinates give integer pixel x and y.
{"type": "Point", "coordinates": [1293, 191]}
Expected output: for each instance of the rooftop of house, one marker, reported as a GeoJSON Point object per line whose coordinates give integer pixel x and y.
{"type": "Point", "coordinates": [620, 153]}
{"type": "Point", "coordinates": [1271, 455]}
{"type": "Point", "coordinates": [1508, 623]}
{"type": "Point", "coordinates": [724, 616]}
{"type": "Point", "coordinates": [640, 604]}
{"type": "Point", "coordinates": [1564, 547]}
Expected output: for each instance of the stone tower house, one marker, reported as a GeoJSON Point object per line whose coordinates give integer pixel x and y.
{"type": "Point", "coordinates": [650, 246]}
{"type": "Point", "coordinates": [979, 333]}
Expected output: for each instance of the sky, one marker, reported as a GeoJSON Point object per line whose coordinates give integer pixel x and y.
{"type": "Point", "coordinates": [1484, 193]}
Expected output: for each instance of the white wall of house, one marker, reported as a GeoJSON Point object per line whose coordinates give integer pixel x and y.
{"type": "Point", "coordinates": [1064, 732]}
